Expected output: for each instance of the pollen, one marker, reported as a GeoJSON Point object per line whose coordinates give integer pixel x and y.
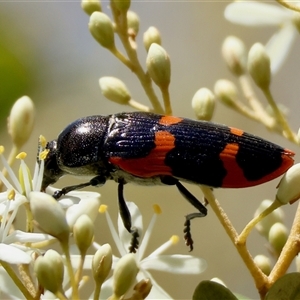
{"type": "Point", "coordinates": [11, 195]}
{"type": "Point", "coordinates": [157, 209]}
{"type": "Point", "coordinates": [174, 239]}
{"type": "Point", "coordinates": [42, 141]}
{"type": "Point", "coordinates": [1, 149]}
{"type": "Point", "coordinates": [44, 154]}
{"type": "Point", "coordinates": [21, 155]}
{"type": "Point", "coordinates": [103, 208]}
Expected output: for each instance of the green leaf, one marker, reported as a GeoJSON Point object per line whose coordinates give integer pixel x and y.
{"type": "Point", "coordinates": [286, 287]}
{"type": "Point", "coordinates": [210, 290]}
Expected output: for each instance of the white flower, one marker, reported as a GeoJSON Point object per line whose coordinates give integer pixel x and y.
{"type": "Point", "coordinates": [177, 264]}
{"type": "Point", "coordinates": [262, 14]}
{"type": "Point", "coordinates": [12, 243]}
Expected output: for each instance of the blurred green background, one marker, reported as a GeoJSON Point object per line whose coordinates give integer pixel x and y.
{"type": "Point", "coordinates": [47, 53]}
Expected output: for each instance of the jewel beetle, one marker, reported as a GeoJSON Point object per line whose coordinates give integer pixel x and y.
{"type": "Point", "coordinates": [151, 149]}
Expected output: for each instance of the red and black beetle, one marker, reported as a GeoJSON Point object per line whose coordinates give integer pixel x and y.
{"type": "Point", "coordinates": [152, 149]}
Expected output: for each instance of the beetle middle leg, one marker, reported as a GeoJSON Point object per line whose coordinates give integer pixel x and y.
{"type": "Point", "coordinates": [192, 200]}
{"type": "Point", "coordinates": [126, 218]}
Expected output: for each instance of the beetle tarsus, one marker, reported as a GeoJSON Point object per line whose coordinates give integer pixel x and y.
{"type": "Point", "coordinates": [126, 218]}
{"type": "Point", "coordinates": [187, 234]}
{"type": "Point", "coordinates": [192, 200]}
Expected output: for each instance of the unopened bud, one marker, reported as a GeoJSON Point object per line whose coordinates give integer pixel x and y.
{"type": "Point", "coordinates": [234, 54]}
{"type": "Point", "coordinates": [124, 274]}
{"type": "Point", "coordinates": [121, 5]}
{"type": "Point", "coordinates": [159, 65]}
{"type": "Point", "coordinates": [152, 35]}
{"type": "Point", "coordinates": [115, 90]}
{"type": "Point", "coordinates": [83, 231]}
{"type": "Point", "coordinates": [50, 271]}
{"type": "Point", "coordinates": [133, 23]}
{"type": "Point", "coordinates": [20, 121]}
{"type": "Point", "coordinates": [278, 236]}
{"type": "Point", "coordinates": [101, 264]}
{"type": "Point", "coordinates": [89, 6]}
{"type": "Point", "coordinates": [226, 91]}
{"type": "Point", "coordinates": [289, 187]}
{"type": "Point", "coordinates": [259, 66]}
{"type": "Point", "coordinates": [49, 215]}
{"type": "Point", "coordinates": [102, 30]}
{"type": "Point", "coordinates": [203, 104]}
{"type": "Point", "coordinates": [264, 263]}
{"type": "Point", "coordinates": [143, 288]}
{"type": "Point", "coordinates": [264, 226]}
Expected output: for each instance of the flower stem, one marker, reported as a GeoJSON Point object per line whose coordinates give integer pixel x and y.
{"type": "Point", "coordinates": [289, 251]}
{"type": "Point", "coordinates": [138, 106]}
{"type": "Point", "coordinates": [167, 102]}
{"type": "Point", "coordinates": [65, 248]}
{"type": "Point", "coordinates": [287, 132]}
{"type": "Point", "coordinates": [121, 29]}
{"type": "Point", "coordinates": [259, 277]}
{"type": "Point", "coordinates": [16, 280]}
{"type": "Point", "coordinates": [260, 113]}
{"type": "Point", "coordinates": [246, 231]}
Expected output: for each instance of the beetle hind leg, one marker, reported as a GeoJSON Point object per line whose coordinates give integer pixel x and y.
{"type": "Point", "coordinates": [202, 210]}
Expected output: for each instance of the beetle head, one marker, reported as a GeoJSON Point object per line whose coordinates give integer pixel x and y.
{"type": "Point", "coordinates": [52, 171]}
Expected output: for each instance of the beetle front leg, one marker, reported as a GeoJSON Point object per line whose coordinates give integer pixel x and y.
{"type": "Point", "coordinates": [126, 218]}
{"type": "Point", "coordinates": [96, 181]}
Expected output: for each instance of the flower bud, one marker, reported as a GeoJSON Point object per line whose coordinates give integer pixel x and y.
{"type": "Point", "coordinates": [278, 235]}
{"type": "Point", "coordinates": [264, 263]}
{"type": "Point", "coordinates": [152, 35]}
{"type": "Point", "coordinates": [49, 215]}
{"type": "Point", "coordinates": [121, 5]}
{"type": "Point", "coordinates": [49, 270]}
{"type": "Point", "coordinates": [83, 231]}
{"type": "Point", "coordinates": [226, 91]}
{"type": "Point", "coordinates": [289, 187]}
{"type": "Point", "coordinates": [264, 226]}
{"type": "Point", "coordinates": [234, 54]}
{"type": "Point", "coordinates": [143, 288]}
{"type": "Point", "coordinates": [158, 65]}
{"type": "Point", "coordinates": [101, 264]}
{"type": "Point", "coordinates": [102, 30]}
{"type": "Point", "coordinates": [133, 23]}
{"type": "Point", "coordinates": [203, 104]}
{"type": "Point", "coordinates": [20, 121]}
{"type": "Point", "coordinates": [115, 90]}
{"type": "Point", "coordinates": [124, 274]}
{"type": "Point", "coordinates": [89, 6]}
{"type": "Point", "coordinates": [259, 66]}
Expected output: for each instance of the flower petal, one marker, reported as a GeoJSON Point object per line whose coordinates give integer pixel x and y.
{"type": "Point", "coordinates": [88, 205]}
{"type": "Point", "coordinates": [8, 288]}
{"type": "Point", "coordinates": [13, 255]}
{"type": "Point", "coordinates": [179, 264]}
{"type": "Point", "coordinates": [26, 237]}
{"type": "Point", "coordinates": [279, 46]}
{"type": "Point", "coordinates": [256, 14]}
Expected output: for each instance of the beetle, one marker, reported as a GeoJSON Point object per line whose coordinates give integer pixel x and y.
{"type": "Point", "coordinates": [152, 149]}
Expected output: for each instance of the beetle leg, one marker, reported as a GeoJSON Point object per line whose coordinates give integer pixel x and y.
{"type": "Point", "coordinates": [126, 218]}
{"type": "Point", "coordinates": [96, 181]}
{"type": "Point", "coordinates": [192, 200]}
